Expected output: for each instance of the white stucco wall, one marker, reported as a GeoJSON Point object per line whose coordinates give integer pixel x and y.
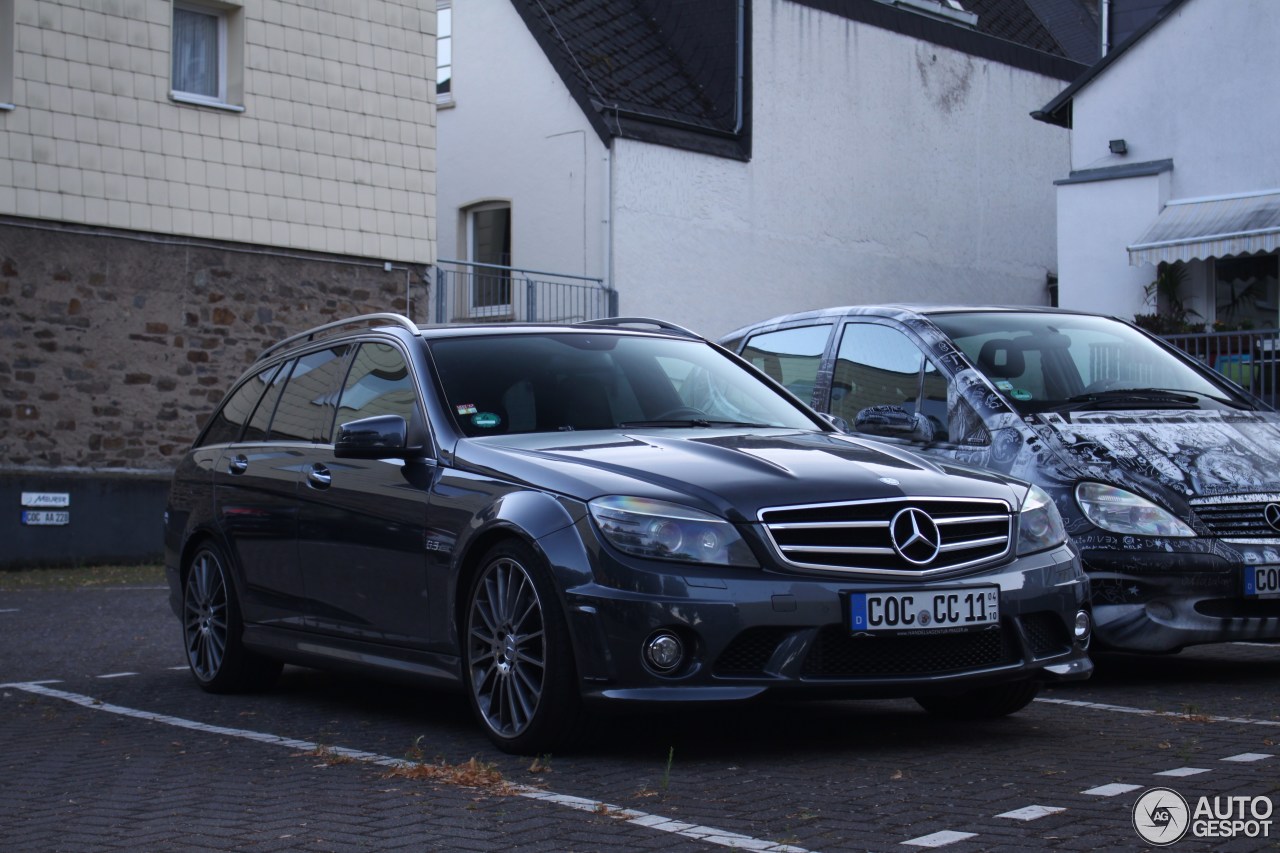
{"type": "Point", "coordinates": [883, 168]}
{"type": "Point", "coordinates": [1199, 89]}
{"type": "Point", "coordinates": [333, 150]}
{"type": "Point", "coordinates": [515, 134]}
{"type": "Point", "coordinates": [1099, 216]}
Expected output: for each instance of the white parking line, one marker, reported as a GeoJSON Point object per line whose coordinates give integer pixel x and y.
{"type": "Point", "coordinates": [702, 833]}
{"type": "Point", "coordinates": [1182, 771]}
{"type": "Point", "coordinates": [1115, 789]}
{"type": "Point", "coordinates": [116, 675]}
{"type": "Point", "coordinates": [1032, 812]}
{"type": "Point", "coordinates": [1145, 712]}
{"type": "Point", "coordinates": [10, 610]}
{"type": "Point", "coordinates": [1248, 756]}
{"type": "Point", "coordinates": [940, 839]}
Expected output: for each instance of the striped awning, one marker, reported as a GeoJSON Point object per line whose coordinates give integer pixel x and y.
{"type": "Point", "coordinates": [1211, 228]}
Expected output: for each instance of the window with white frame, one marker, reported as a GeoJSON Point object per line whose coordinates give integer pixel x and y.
{"type": "Point", "coordinates": [208, 50]}
{"type": "Point", "coordinates": [444, 51]}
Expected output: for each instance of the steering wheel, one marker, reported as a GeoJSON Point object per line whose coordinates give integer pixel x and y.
{"type": "Point", "coordinates": [680, 413]}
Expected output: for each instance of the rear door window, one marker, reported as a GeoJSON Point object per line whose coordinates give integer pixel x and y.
{"type": "Point", "coordinates": [791, 356]}
{"type": "Point", "coordinates": [231, 418]}
{"type": "Point", "coordinates": [305, 410]}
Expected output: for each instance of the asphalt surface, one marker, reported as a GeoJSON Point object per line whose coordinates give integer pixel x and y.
{"type": "Point", "coordinates": [107, 744]}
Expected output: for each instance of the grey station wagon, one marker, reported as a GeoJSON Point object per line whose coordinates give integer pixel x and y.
{"type": "Point", "coordinates": [553, 517]}
{"type": "Point", "coordinates": [1167, 474]}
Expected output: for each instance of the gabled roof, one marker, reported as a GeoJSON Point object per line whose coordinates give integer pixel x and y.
{"type": "Point", "coordinates": [1058, 111]}
{"type": "Point", "coordinates": [678, 73]}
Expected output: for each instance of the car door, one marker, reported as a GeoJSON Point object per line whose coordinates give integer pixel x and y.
{"type": "Point", "coordinates": [254, 487]}
{"type": "Point", "coordinates": [881, 370]}
{"type": "Point", "coordinates": [362, 523]}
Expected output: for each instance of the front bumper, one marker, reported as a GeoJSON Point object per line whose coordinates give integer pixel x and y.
{"type": "Point", "coordinates": [751, 632]}
{"type": "Point", "coordinates": [1163, 600]}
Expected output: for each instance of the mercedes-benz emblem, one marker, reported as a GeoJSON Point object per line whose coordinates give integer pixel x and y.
{"type": "Point", "coordinates": [1272, 515]}
{"type": "Point", "coordinates": [915, 536]}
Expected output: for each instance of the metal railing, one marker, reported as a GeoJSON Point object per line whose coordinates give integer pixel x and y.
{"type": "Point", "coordinates": [1248, 358]}
{"type": "Point", "coordinates": [468, 292]}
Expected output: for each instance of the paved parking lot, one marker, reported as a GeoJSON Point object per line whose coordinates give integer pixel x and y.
{"type": "Point", "coordinates": [108, 744]}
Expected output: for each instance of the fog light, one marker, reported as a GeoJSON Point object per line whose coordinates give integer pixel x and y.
{"type": "Point", "coordinates": [663, 651]}
{"type": "Point", "coordinates": [1083, 628]}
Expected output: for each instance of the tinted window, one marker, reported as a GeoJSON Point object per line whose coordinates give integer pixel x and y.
{"type": "Point", "coordinates": [257, 428]}
{"type": "Point", "coordinates": [880, 366]}
{"type": "Point", "coordinates": [306, 406]}
{"type": "Point", "coordinates": [235, 412]}
{"type": "Point", "coordinates": [378, 383]}
{"type": "Point", "coordinates": [1042, 361]}
{"type": "Point", "coordinates": [572, 381]}
{"type": "Point", "coordinates": [791, 356]}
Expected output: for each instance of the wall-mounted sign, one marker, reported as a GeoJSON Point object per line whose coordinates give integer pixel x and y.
{"type": "Point", "coordinates": [46, 516]}
{"type": "Point", "coordinates": [46, 499]}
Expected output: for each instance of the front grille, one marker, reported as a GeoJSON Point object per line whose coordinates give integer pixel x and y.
{"type": "Point", "coordinates": [1046, 634]}
{"type": "Point", "coordinates": [860, 537]}
{"type": "Point", "coordinates": [1238, 519]}
{"type": "Point", "coordinates": [838, 654]}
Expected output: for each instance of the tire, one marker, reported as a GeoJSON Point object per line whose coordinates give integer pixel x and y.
{"type": "Point", "coordinates": [985, 703]}
{"type": "Point", "coordinates": [212, 629]}
{"type": "Point", "coordinates": [517, 654]}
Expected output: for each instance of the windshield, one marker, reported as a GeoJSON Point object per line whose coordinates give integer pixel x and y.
{"type": "Point", "coordinates": [1054, 362]}
{"type": "Point", "coordinates": [598, 380]}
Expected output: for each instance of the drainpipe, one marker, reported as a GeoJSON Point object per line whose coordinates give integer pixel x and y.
{"type": "Point", "coordinates": [1106, 27]}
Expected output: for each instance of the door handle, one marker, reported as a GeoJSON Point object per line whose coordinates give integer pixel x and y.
{"type": "Point", "coordinates": [319, 477]}
{"type": "Point", "coordinates": [238, 464]}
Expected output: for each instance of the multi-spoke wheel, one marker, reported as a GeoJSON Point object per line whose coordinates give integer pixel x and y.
{"type": "Point", "coordinates": [519, 666]}
{"type": "Point", "coordinates": [985, 703]}
{"type": "Point", "coordinates": [211, 629]}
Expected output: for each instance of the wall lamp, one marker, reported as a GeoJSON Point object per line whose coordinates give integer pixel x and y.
{"type": "Point", "coordinates": [1118, 146]}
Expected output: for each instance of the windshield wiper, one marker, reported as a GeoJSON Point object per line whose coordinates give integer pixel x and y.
{"type": "Point", "coordinates": [1123, 398]}
{"type": "Point", "coordinates": [689, 422]}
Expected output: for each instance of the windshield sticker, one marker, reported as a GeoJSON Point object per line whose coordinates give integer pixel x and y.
{"type": "Point", "coordinates": [1004, 385]}
{"type": "Point", "coordinates": [486, 420]}
{"type": "Point", "coordinates": [467, 408]}
{"type": "Point", "coordinates": [1020, 394]}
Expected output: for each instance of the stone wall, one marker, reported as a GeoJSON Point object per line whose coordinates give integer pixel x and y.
{"type": "Point", "coordinates": [115, 347]}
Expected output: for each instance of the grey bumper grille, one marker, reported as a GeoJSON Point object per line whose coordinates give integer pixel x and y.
{"type": "Point", "coordinates": [905, 537]}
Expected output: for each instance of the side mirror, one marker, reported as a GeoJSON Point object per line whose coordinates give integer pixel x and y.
{"type": "Point", "coordinates": [379, 437]}
{"type": "Point", "coordinates": [894, 422]}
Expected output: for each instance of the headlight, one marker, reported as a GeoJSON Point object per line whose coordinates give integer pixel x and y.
{"type": "Point", "coordinates": [666, 531]}
{"type": "Point", "coordinates": [1039, 524]}
{"type": "Point", "coordinates": [1124, 512]}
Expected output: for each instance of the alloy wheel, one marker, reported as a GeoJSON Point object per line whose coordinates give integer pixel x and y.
{"type": "Point", "coordinates": [507, 650]}
{"type": "Point", "coordinates": [205, 616]}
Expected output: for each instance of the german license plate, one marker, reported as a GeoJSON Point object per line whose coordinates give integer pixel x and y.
{"type": "Point", "coordinates": [1262, 581]}
{"type": "Point", "coordinates": [931, 611]}
{"type": "Point", "coordinates": [46, 516]}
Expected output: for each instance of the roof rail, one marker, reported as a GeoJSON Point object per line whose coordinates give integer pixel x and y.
{"type": "Point", "coordinates": [310, 334]}
{"type": "Point", "coordinates": [647, 321]}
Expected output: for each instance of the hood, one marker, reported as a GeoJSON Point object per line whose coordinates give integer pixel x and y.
{"type": "Point", "coordinates": [730, 473]}
{"type": "Point", "coordinates": [1191, 453]}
